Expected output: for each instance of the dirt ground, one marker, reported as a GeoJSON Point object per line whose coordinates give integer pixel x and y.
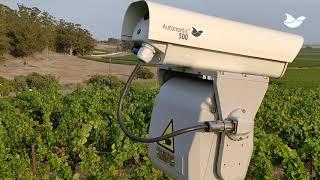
{"type": "Point", "coordinates": [68, 69]}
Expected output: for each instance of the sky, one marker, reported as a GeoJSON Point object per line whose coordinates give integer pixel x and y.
{"type": "Point", "coordinates": [103, 18]}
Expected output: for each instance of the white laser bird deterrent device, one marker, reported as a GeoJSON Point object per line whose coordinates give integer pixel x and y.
{"type": "Point", "coordinates": [213, 74]}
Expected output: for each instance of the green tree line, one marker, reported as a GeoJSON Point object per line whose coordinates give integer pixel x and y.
{"type": "Point", "coordinates": [25, 31]}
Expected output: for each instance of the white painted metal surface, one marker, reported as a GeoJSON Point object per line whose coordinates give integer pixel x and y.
{"type": "Point", "coordinates": [234, 92]}
{"type": "Point", "coordinates": [187, 102]}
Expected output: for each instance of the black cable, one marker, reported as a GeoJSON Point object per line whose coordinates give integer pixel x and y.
{"type": "Point", "coordinates": [148, 140]}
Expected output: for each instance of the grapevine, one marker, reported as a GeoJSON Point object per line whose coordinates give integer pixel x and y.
{"type": "Point", "coordinates": [76, 135]}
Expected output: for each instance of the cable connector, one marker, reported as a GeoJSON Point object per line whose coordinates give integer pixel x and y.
{"type": "Point", "coordinates": [221, 126]}
{"type": "Point", "coordinates": [146, 53]}
{"type": "Point", "coordinates": [244, 125]}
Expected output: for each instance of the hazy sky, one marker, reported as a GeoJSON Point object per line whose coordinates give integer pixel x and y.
{"type": "Point", "coordinates": [104, 17]}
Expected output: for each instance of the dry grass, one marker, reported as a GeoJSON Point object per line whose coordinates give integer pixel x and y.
{"type": "Point", "coordinates": [68, 69]}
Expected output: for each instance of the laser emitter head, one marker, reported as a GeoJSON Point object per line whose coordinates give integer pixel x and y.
{"type": "Point", "coordinates": [190, 39]}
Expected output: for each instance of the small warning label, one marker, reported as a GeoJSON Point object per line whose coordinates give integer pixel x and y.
{"type": "Point", "coordinates": [168, 143]}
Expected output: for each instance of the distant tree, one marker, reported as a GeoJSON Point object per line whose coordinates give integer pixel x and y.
{"type": "Point", "coordinates": [113, 40]}
{"type": "Point", "coordinates": [126, 45]}
{"type": "Point", "coordinates": [49, 30]}
{"type": "Point", "coordinates": [103, 42]}
{"type": "Point", "coordinates": [4, 41]}
{"type": "Point", "coordinates": [66, 39]}
{"type": "Point", "coordinates": [25, 32]}
{"type": "Point", "coordinates": [85, 42]}
{"type": "Point", "coordinates": [72, 39]}
{"type": "Point", "coordinates": [28, 30]}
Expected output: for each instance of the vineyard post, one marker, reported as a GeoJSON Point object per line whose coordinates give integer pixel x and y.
{"type": "Point", "coordinates": [33, 155]}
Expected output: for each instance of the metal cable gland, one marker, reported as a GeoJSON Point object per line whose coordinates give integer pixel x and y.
{"type": "Point", "coordinates": [146, 52]}
{"type": "Point", "coordinates": [221, 126]}
{"type": "Point", "coordinates": [243, 125]}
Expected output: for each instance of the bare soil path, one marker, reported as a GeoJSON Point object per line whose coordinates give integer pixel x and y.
{"type": "Point", "coordinates": [68, 69]}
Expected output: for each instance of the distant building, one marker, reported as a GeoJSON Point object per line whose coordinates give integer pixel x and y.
{"type": "Point", "coordinates": [114, 45]}
{"type": "Point", "coordinates": [314, 46]}
{"type": "Point", "coordinates": [113, 41]}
